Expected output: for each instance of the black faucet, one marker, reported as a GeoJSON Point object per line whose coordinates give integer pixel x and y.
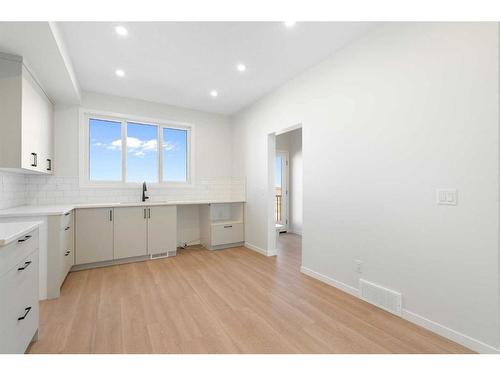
{"type": "Point", "coordinates": [144, 189]}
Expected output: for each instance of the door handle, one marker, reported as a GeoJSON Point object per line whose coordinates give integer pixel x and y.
{"type": "Point", "coordinates": [67, 253]}
{"type": "Point", "coordinates": [26, 312]}
{"type": "Point", "coordinates": [149, 213]}
{"type": "Point", "coordinates": [144, 213]}
{"type": "Point", "coordinates": [110, 215]}
{"type": "Point", "coordinates": [26, 264]}
{"type": "Point", "coordinates": [67, 228]}
{"type": "Point", "coordinates": [35, 159]}
{"type": "Point", "coordinates": [49, 167]}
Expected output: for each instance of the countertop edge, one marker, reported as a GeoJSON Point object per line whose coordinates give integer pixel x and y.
{"type": "Point", "coordinates": [30, 225]}
{"type": "Point", "coordinates": [54, 210]}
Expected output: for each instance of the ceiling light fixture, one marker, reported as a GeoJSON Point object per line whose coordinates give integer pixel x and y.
{"type": "Point", "coordinates": [290, 23]}
{"type": "Point", "coordinates": [120, 30]}
{"type": "Point", "coordinates": [214, 94]}
{"type": "Point", "coordinates": [120, 72]}
{"type": "Point", "coordinates": [241, 67]}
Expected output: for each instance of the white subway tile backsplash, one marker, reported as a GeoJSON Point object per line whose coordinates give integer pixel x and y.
{"type": "Point", "coordinates": [20, 189]}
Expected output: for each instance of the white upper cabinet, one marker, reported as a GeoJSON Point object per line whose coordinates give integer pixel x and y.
{"type": "Point", "coordinates": [26, 119]}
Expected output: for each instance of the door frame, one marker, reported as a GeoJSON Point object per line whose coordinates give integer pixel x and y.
{"type": "Point", "coordinates": [270, 193]}
{"type": "Point", "coordinates": [285, 191]}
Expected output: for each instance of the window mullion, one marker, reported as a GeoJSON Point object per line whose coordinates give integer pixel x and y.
{"type": "Point", "coordinates": [160, 153]}
{"type": "Point", "coordinates": [124, 151]}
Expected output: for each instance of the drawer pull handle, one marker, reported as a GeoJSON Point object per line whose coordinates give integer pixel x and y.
{"type": "Point", "coordinates": [24, 239]}
{"type": "Point", "coordinates": [26, 264]}
{"type": "Point", "coordinates": [35, 159]}
{"type": "Point", "coordinates": [66, 214]}
{"type": "Point", "coordinates": [228, 226]}
{"type": "Point", "coordinates": [26, 312]}
{"type": "Point", "coordinates": [67, 253]}
{"type": "Point", "coordinates": [67, 228]}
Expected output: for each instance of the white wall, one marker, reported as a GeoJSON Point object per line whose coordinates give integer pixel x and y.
{"type": "Point", "coordinates": [407, 109]}
{"type": "Point", "coordinates": [292, 142]}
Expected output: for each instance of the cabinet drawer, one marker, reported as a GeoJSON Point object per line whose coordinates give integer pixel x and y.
{"type": "Point", "coordinates": [16, 251]}
{"type": "Point", "coordinates": [227, 233]}
{"type": "Point", "coordinates": [19, 308]}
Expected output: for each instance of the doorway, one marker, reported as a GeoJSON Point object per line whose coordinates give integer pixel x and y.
{"type": "Point", "coordinates": [281, 182]}
{"type": "Point", "coordinates": [285, 183]}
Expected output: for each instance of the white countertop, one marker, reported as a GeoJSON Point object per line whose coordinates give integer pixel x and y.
{"type": "Point", "coordinates": [48, 210]}
{"type": "Point", "coordinates": [10, 231]}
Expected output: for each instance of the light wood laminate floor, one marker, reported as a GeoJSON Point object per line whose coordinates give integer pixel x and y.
{"type": "Point", "coordinates": [228, 301]}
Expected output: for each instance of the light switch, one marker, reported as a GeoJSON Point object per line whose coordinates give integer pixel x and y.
{"type": "Point", "coordinates": [447, 196]}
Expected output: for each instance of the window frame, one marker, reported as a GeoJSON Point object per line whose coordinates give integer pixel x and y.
{"type": "Point", "coordinates": [84, 148]}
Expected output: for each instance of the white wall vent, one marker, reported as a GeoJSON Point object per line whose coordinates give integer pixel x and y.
{"type": "Point", "coordinates": [167, 254]}
{"type": "Point", "coordinates": [384, 298]}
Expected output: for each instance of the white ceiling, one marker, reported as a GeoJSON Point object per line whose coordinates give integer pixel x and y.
{"type": "Point", "coordinates": [179, 63]}
{"type": "Point", "coordinates": [43, 51]}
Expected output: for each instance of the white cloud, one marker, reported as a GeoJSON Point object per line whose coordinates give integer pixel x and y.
{"type": "Point", "coordinates": [138, 147]}
{"type": "Point", "coordinates": [115, 145]}
{"type": "Point", "coordinates": [152, 144]}
{"type": "Point", "coordinates": [169, 146]}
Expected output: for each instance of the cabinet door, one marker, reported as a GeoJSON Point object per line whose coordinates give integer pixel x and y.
{"type": "Point", "coordinates": [162, 229]}
{"type": "Point", "coordinates": [94, 235]}
{"type": "Point", "coordinates": [130, 227]}
{"type": "Point", "coordinates": [37, 126]}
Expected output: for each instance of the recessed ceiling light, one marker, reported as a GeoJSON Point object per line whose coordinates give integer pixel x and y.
{"type": "Point", "coordinates": [120, 30]}
{"type": "Point", "coordinates": [214, 94]}
{"type": "Point", "coordinates": [289, 23]}
{"type": "Point", "coordinates": [120, 72]}
{"type": "Point", "coordinates": [241, 67]}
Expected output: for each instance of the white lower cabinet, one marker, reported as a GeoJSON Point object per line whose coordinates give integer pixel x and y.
{"type": "Point", "coordinates": [221, 225]}
{"type": "Point", "coordinates": [107, 234]}
{"type": "Point", "coordinates": [130, 232]}
{"type": "Point", "coordinates": [61, 254]}
{"type": "Point", "coordinates": [226, 233]}
{"type": "Point", "coordinates": [94, 235]}
{"type": "Point", "coordinates": [19, 293]}
{"type": "Point", "coordinates": [162, 229]}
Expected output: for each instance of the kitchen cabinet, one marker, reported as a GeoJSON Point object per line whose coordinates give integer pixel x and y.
{"type": "Point", "coordinates": [130, 232]}
{"type": "Point", "coordinates": [109, 234]}
{"type": "Point", "coordinates": [221, 225]}
{"type": "Point", "coordinates": [61, 254]}
{"type": "Point", "coordinates": [26, 119]}
{"type": "Point", "coordinates": [19, 293]}
{"type": "Point", "coordinates": [94, 235]}
{"type": "Point", "coordinates": [162, 230]}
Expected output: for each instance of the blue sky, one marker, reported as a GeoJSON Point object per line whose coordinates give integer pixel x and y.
{"type": "Point", "coordinates": [277, 171]}
{"type": "Point", "coordinates": [142, 152]}
{"type": "Point", "coordinates": [104, 160]}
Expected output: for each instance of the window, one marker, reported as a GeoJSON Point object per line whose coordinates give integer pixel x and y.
{"type": "Point", "coordinates": [174, 154]}
{"type": "Point", "coordinates": [142, 152]}
{"type": "Point", "coordinates": [152, 152]}
{"type": "Point", "coordinates": [105, 160]}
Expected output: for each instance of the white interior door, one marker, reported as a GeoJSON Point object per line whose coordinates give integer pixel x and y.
{"type": "Point", "coordinates": [281, 189]}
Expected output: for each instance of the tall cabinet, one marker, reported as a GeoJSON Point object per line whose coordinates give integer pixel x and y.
{"type": "Point", "coordinates": [26, 119]}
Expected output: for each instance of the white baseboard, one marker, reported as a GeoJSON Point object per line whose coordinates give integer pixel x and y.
{"type": "Point", "coordinates": [260, 250]}
{"type": "Point", "coordinates": [328, 280]}
{"type": "Point", "coordinates": [449, 333]}
{"type": "Point", "coordinates": [435, 327]}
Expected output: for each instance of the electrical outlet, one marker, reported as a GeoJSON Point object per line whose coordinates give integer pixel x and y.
{"type": "Point", "coordinates": [358, 266]}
